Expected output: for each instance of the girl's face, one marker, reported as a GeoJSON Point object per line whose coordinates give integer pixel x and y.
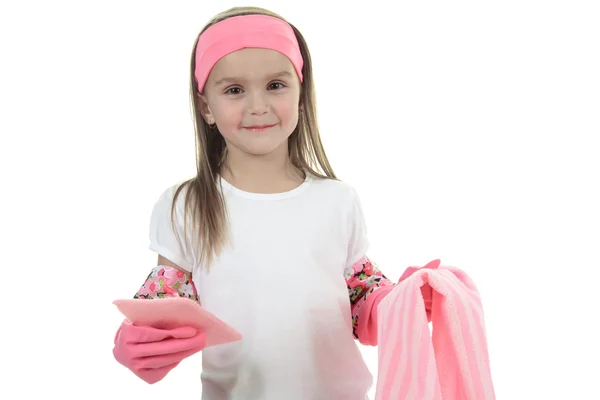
{"type": "Point", "coordinates": [253, 96]}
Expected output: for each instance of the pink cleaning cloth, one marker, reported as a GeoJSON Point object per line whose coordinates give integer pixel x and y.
{"type": "Point", "coordinates": [449, 363]}
{"type": "Point", "coordinates": [175, 312]}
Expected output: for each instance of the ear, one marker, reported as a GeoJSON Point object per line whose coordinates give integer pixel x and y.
{"type": "Point", "coordinates": [205, 109]}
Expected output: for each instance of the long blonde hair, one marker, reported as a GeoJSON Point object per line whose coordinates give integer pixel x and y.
{"type": "Point", "coordinates": [204, 203]}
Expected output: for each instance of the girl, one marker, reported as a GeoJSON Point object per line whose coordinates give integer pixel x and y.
{"type": "Point", "coordinates": [265, 236]}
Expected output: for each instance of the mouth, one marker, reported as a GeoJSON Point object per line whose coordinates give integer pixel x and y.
{"type": "Point", "coordinates": [258, 128]}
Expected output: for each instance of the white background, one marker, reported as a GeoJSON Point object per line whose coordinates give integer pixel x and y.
{"type": "Point", "coordinates": [470, 130]}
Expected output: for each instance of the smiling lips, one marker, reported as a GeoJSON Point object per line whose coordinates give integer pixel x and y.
{"type": "Point", "coordinates": [258, 128]}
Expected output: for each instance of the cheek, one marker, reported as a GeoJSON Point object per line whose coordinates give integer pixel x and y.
{"type": "Point", "coordinates": [228, 114]}
{"type": "Point", "coordinates": [287, 111]}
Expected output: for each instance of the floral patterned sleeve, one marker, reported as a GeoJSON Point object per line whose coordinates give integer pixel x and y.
{"type": "Point", "coordinates": [362, 279]}
{"type": "Point", "coordinates": [164, 281]}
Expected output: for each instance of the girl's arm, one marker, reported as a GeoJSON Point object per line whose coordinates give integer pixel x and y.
{"type": "Point", "coordinates": [167, 279]}
{"type": "Point", "coordinates": [150, 353]}
{"type": "Point", "coordinates": [367, 286]}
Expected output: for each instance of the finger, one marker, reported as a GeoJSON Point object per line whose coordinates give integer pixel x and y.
{"type": "Point", "coordinates": [183, 332]}
{"type": "Point", "coordinates": [147, 334]}
{"type": "Point", "coordinates": [168, 346]}
{"type": "Point", "coordinates": [164, 360]}
{"type": "Point", "coordinates": [153, 375]}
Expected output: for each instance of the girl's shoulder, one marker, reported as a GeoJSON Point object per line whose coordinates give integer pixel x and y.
{"type": "Point", "coordinates": [163, 205]}
{"type": "Point", "coordinates": [335, 187]}
{"type": "Point", "coordinates": [167, 194]}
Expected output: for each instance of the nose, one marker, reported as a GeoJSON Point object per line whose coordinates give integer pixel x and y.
{"type": "Point", "coordinates": [258, 104]}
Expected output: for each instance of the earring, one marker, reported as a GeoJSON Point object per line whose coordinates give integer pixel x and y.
{"type": "Point", "coordinates": [212, 126]}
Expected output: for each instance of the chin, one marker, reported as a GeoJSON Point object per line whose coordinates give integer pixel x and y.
{"type": "Point", "coordinates": [262, 150]}
{"type": "Point", "coordinates": [263, 146]}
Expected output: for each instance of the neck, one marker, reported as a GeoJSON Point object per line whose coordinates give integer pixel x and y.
{"type": "Point", "coordinates": [269, 173]}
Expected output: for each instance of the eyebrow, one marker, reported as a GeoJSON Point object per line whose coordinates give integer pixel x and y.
{"type": "Point", "coordinates": [282, 74]}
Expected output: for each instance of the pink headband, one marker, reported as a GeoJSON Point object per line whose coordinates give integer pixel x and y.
{"type": "Point", "coordinates": [246, 31]}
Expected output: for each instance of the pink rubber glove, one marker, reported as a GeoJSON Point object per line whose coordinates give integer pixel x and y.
{"type": "Point", "coordinates": [151, 353]}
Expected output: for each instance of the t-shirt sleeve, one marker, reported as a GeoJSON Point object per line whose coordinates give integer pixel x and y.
{"type": "Point", "coordinates": [164, 235]}
{"type": "Point", "coordinates": [358, 243]}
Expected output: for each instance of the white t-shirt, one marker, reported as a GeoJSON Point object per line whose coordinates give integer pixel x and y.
{"type": "Point", "coordinates": [281, 285]}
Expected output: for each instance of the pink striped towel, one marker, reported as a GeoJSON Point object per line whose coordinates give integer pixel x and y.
{"type": "Point", "coordinates": [449, 363]}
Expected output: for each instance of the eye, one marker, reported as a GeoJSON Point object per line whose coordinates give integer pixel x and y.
{"type": "Point", "coordinates": [276, 85]}
{"type": "Point", "coordinates": [233, 90]}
